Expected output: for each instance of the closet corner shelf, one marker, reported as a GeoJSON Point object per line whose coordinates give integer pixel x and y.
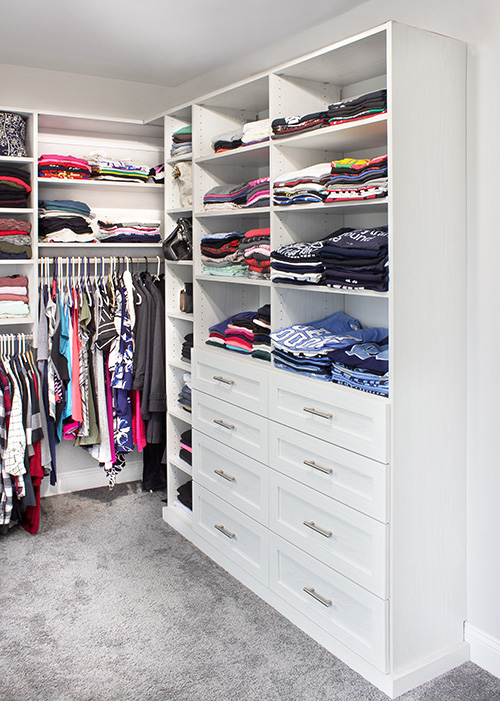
{"type": "Point", "coordinates": [366, 133]}
{"type": "Point", "coordinates": [181, 465]}
{"type": "Point", "coordinates": [254, 155]}
{"type": "Point", "coordinates": [367, 206]}
{"type": "Point", "coordinates": [95, 182]}
{"type": "Point", "coordinates": [17, 261]}
{"type": "Point", "coordinates": [16, 210]}
{"type": "Point", "coordinates": [16, 159]}
{"type": "Point", "coordinates": [12, 320]}
{"type": "Point", "coordinates": [179, 159]}
{"type": "Point", "coordinates": [153, 247]}
{"type": "Point", "coordinates": [233, 212]}
{"type": "Point", "coordinates": [176, 413]}
{"type": "Point", "coordinates": [330, 290]}
{"type": "Point", "coordinates": [241, 280]}
{"type": "Point", "coordinates": [180, 212]}
{"type": "Point", "coordinates": [179, 262]}
{"type": "Point", "coordinates": [180, 315]}
{"type": "Point", "coordinates": [181, 364]}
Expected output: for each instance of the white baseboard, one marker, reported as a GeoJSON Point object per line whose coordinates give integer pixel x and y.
{"type": "Point", "coordinates": [484, 649]}
{"type": "Point", "coordinates": [88, 478]}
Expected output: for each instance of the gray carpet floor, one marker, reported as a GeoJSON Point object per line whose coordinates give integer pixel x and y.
{"type": "Point", "coordinates": [108, 603]}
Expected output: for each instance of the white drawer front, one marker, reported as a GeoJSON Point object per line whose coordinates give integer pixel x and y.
{"type": "Point", "coordinates": [353, 544]}
{"type": "Point", "coordinates": [233, 533]}
{"type": "Point", "coordinates": [354, 420]}
{"type": "Point", "coordinates": [243, 384]}
{"type": "Point", "coordinates": [348, 612]}
{"type": "Point", "coordinates": [346, 476]}
{"type": "Point", "coordinates": [232, 476]}
{"type": "Point", "coordinates": [235, 427]}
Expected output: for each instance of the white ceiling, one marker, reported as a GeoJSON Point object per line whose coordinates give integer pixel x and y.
{"type": "Point", "coordinates": [163, 42]}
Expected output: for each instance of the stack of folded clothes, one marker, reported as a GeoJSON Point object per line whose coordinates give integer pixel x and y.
{"type": "Point", "coordinates": [235, 333]}
{"type": "Point", "coordinates": [15, 186]}
{"type": "Point", "coordinates": [220, 254]}
{"type": "Point", "coordinates": [126, 170]}
{"type": "Point", "coordinates": [132, 230]}
{"type": "Point", "coordinates": [53, 165]}
{"type": "Point", "coordinates": [262, 329]}
{"type": "Point", "coordinates": [182, 142]}
{"type": "Point", "coordinates": [157, 173]}
{"type": "Point", "coordinates": [187, 347]}
{"type": "Point", "coordinates": [341, 112]}
{"type": "Point", "coordinates": [298, 263]}
{"type": "Point", "coordinates": [356, 259]}
{"type": "Point", "coordinates": [227, 141]}
{"type": "Point", "coordinates": [255, 193]}
{"type": "Point", "coordinates": [14, 300]}
{"type": "Point", "coordinates": [13, 135]}
{"type": "Point", "coordinates": [357, 179]}
{"type": "Point", "coordinates": [363, 366]}
{"type": "Point", "coordinates": [302, 186]}
{"type": "Point", "coordinates": [184, 396]}
{"type": "Point", "coordinates": [65, 221]}
{"type": "Point", "coordinates": [304, 348]}
{"type": "Point", "coordinates": [186, 450]}
{"type": "Point", "coordinates": [184, 501]}
{"type": "Point", "coordinates": [256, 132]}
{"type": "Point", "coordinates": [15, 239]}
{"type": "Point", "coordinates": [256, 249]}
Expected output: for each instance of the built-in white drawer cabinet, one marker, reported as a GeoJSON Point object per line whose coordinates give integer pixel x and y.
{"type": "Point", "coordinates": [237, 382]}
{"type": "Point", "coordinates": [233, 533]}
{"type": "Point", "coordinates": [234, 477]}
{"type": "Point", "coordinates": [354, 420]}
{"type": "Point", "coordinates": [235, 427]}
{"type": "Point", "coordinates": [346, 476]}
{"type": "Point", "coordinates": [351, 542]}
{"type": "Point", "coordinates": [354, 616]}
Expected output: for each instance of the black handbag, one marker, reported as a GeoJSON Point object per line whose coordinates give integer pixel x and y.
{"type": "Point", "coordinates": [179, 244]}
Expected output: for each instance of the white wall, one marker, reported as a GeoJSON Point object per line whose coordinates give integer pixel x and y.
{"type": "Point", "coordinates": [56, 91]}
{"type": "Point", "coordinates": [478, 24]}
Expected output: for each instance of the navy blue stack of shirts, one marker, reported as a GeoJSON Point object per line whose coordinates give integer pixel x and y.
{"type": "Point", "coordinates": [356, 259]}
{"type": "Point", "coordinates": [363, 366]}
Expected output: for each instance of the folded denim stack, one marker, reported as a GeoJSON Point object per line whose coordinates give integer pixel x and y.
{"type": "Point", "coordinates": [14, 298]}
{"type": "Point", "coordinates": [125, 170]}
{"type": "Point", "coordinates": [65, 221]}
{"type": "Point", "coordinates": [256, 132]}
{"type": "Point", "coordinates": [363, 366]}
{"type": "Point", "coordinates": [134, 230]}
{"type": "Point", "coordinates": [357, 179]}
{"type": "Point", "coordinates": [256, 250]}
{"type": "Point", "coordinates": [220, 254]}
{"type": "Point", "coordinates": [298, 263]}
{"type": "Point", "coordinates": [15, 186]}
{"type": "Point", "coordinates": [184, 396]}
{"type": "Point", "coordinates": [262, 329]}
{"type": "Point", "coordinates": [302, 186]}
{"type": "Point", "coordinates": [187, 347]}
{"type": "Point", "coordinates": [15, 239]}
{"type": "Point", "coordinates": [356, 259]}
{"type": "Point", "coordinates": [255, 193]}
{"type": "Point", "coordinates": [186, 450]}
{"type": "Point", "coordinates": [182, 142]}
{"type": "Point", "coordinates": [304, 348]}
{"type": "Point", "coordinates": [54, 165]}
{"type": "Point", "coordinates": [341, 112]}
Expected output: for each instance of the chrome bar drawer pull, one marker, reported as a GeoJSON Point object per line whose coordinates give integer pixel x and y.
{"type": "Point", "coordinates": [318, 597]}
{"type": "Point", "coordinates": [311, 463]}
{"type": "Point", "coordinates": [221, 473]}
{"type": "Point", "coordinates": [228, 534]}
{"type": "Point", "coordinates": [314, 527]}
{"type": "Point", "coordinates": [312, 410]}
{"type": "Point", "coordinates": [220, 422]}
{"type": "Point", "coordinates": [223, 380]}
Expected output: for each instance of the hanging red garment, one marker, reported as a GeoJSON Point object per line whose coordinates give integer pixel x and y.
{"type": "Point", "coordinates": [31, 519]}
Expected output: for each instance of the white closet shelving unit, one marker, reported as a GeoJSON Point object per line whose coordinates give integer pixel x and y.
{"type": "Point", "coordinates": [377, 573]}
{"type": "Point", "coordinates": [178, 325]}
{"type": "Point", "coordinates": [23, 267]}
{"type": "Point", "coordinates": [82, 136]}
